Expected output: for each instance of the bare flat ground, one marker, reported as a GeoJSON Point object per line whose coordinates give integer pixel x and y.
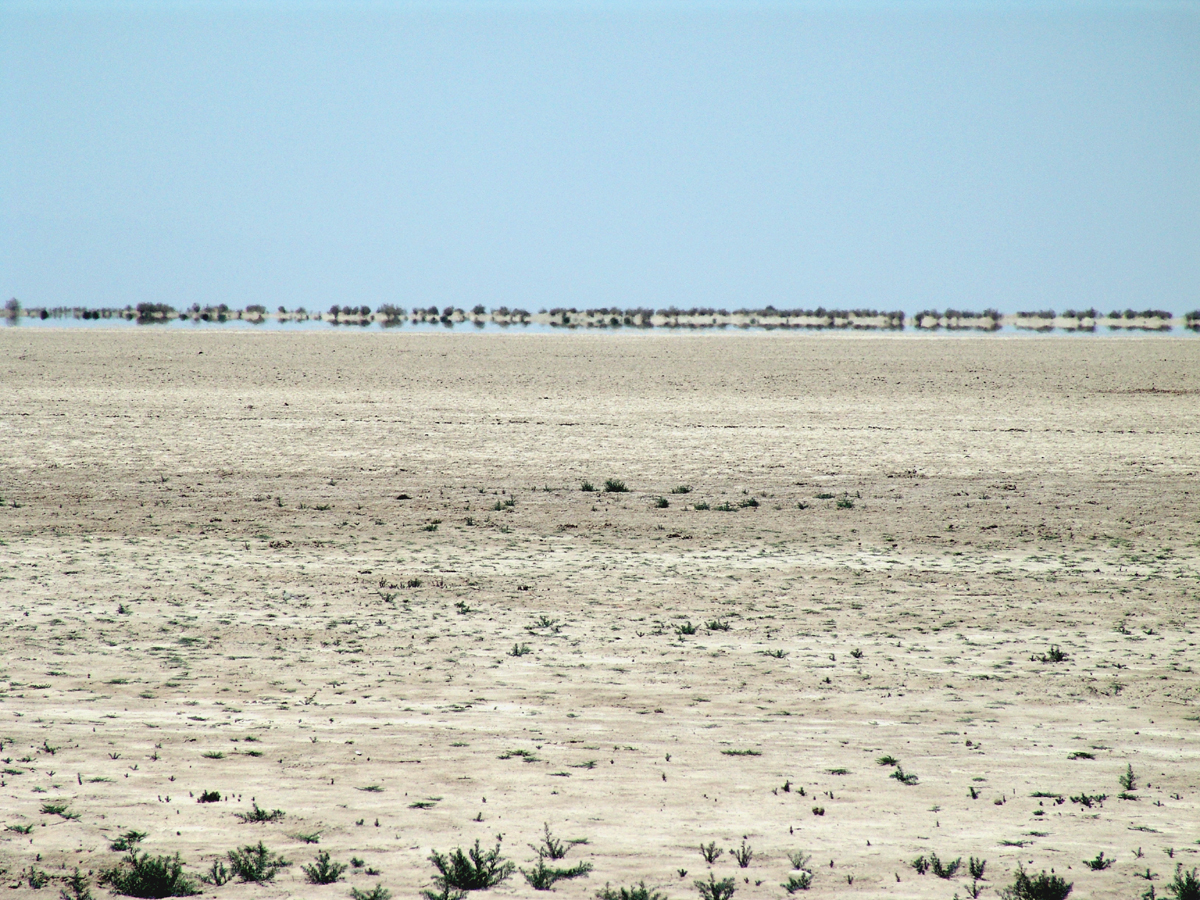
{"type": "Point", "coordinates": [353, 577]}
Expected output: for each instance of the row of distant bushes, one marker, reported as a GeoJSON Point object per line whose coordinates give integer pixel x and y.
{"type": "Point", "coordinates": [639, 316]}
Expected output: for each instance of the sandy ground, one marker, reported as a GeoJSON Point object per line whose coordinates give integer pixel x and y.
{"type": "Point", "coordinates": [298, 569]}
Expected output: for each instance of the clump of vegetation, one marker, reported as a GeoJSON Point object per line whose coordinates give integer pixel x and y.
{"type": "Point", "coordinates": [475, 869]}
{"type": "Point", "coordinates": [258, 814]}
{"type": "Point", "coordinates": [743, 854]}
{"type": "Point", "coordinates": [217, 874]}
{"type": "Point", "coordinates": [801, 882]}
{"type": "Point", "coordinates": [717, 625]}
{"type": "Point", "coordinates": [903, 777]}
{"type": "Point", "coordinates": [149, 876]}
{"type": "Point", "coordinates": [543, 877]}
{"type": "Point", "coordinates": [1039, 887]}
{"type": "Point", "coordinates": [1185, 885]}
{"type": "Point", "coordinates": [519, 650]}
{"type": "Point", "coordinates": [1099, 863]}
{"type": "Point", "coordinates": [587, 487]}
{"type": "Point", "coordinates": [1128, 780]}
{"type": "Point", "coordinates": [710, 852]}
{"type": "Point", "coordinates": [715, 890]}
{"type": "Point", "coordinates": [77, 888]}
{"type": "Point", "coordinates": [255, 863]}
{"type": "Point", "coordinates": [379, 892]}
{"type": "Point", "coordinates": [845, 502]}
{"type": "Point", "coordinates": [1054, 655]}
{"type": "Point", "coordinates": [944, 870]}
{"type": "Point", "coordinates": [209, 797]}
{"type": "Point", "coordinates": [615, 486]}
{"type": "Point", "coordinates": [127, 841]}
{"type": "Point", "coordinates": [887, 760]}
{"type": "Point", "coordinates": [976, 867]}
{"type": "Point", "coordinates": [661, 503]}
{"type": "Point", "coordinates": [702, 505]}
{"type": "Point", "coordinates": [637, 891]}
{"type": "Point", "coordinates": [1089, 799]}
{"type": "Point", "coordinates": [324, 870]}
{"type": "Point", "coordinates": [687, 628]}
{"type": "Point", "coordinates": [682, 489]}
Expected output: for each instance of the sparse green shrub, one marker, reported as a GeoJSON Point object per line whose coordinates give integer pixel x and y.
{"type": "Point", "coordinates": [903, 777]}
{"type": "Point", "coordinates": [217, 874]}
{"type": "Point", "coordinates": [801, 882]}
{"type": "Point", "coordinates": [587, 487]}
{"type": "Point", "coordinates": [749, 503]}
{"type": "Point", "coordinates": [258, 814]}
{"type": "Point", "coordinates": [687, 628]}
{"type": "Point", "coordinates": [637, 891]}
{"type": "Point", "coordinates": [128, 840]}
{"type": "Point", "coordinates": [255, 863]}
{"type": "Point", "coordinates": [799, 859]}
{"type": "Point", "coordinates": [944, 870]}
{"type": "Point", "coordinates": [1099, 863]}
{"type": "Point", "coordinates": [542, 877]}
{"type": "Point", "coordinates": [615, 486]}
{"type": "Point", "coordinates": [710, 852]}
{"type": "Point", "coordinates": [1089, 799]}
{"type": "Point", "coordinates": [519, 650]}
{"type": "Point", "coordinates": [21, 829]}
{"type": "Point", "coordinates": [1185, 885]}
{"type": "Point", "coordinates": [551, 847]}
{"type": "Point", "coordinates": [824, 496]}
{"type": "Point", "coordinates": [1054, 655]}
{"type": "Point", "coordinates": [887, 760]}
{"type": "Point", "coordinates": [702, 505]}
{"type": "Point", "coordinates": [77, 888]}
{"type": "Point", "coordinates": [1128, 781]}
{"type": "Point", "coordinates": [209, 797]}
{"type": "Point", "coordinates": [844, 502]}
{"type": "Point", "coordinates": [682, 489]}
{"type": "Point", "coordinates": [149, 876]}
{"type": "Point", "coordinates": [1039, 887]}
{"type": "Point", "coordinates": [661, 503]}
{"type": "Point", "coordinates": [324, 870]}
{"type": "Point", "coordinates": [717, 625]}
{"type": "Point", "coordinates": [921, 864]}
{"type": "Point", "coordinates": [976, 867]}
{"type": "Point", "coordinates": [715, 890]}
{"type": "Point", "coordinates": [743, 854]}
{"type": "Point", "coordinates": [475, 869]}
{"type": "Point", "coordinates": [379, 892]}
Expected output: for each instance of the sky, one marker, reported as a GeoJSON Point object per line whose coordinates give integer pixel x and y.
{"type": "Point", "coordinates": [883, 155]}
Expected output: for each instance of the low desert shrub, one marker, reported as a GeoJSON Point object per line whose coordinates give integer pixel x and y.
{"type": "Point", "coordinates": [615, 486]}
{"type": "Point", "coordinates": [209, 797]}
{"type": "Point", "coordinates": [475, 869]}
{"type": "Point", "coordinates": [1099, 863]}
{"type": "Point", "coordinates": [543, 877]}
{"type": "Point", "coordinates": [255, 863]}
{"type": "Point", "coordinates": [379, 892]}
{"type": "Point", "coordinates": [801, 882]}
{"type": "Point", "coordinates": [1185, 885]}
{"type": "Point", "coordinates": [149, 876]}
{"type": "Point", "coordinates": [257, 814]}
{"type": "Point", "coordinates": [715, 890]}
{"type": "Point", "coordinates": [637, 891]}
{"type": "Point", "coordinates": [324, 870]}
{"type": "Point", "coordinates": [1039, 887]}
{"type": "Point", "coordinates": [710, 852]}
{"type": "Point", "coordinates": [743, 854]}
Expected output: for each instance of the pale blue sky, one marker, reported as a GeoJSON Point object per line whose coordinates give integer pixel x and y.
{"type": "Point", "coordinates": [868, 154]}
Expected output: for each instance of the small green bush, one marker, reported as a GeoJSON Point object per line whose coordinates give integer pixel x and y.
{"type": "Point", "coordinates": [475, 869]}
{"type": "Point", "coordinates": [682, 489]}
{"type": "Point", "coordinates": [637, 891]}
{"type": "Point", "coordinates": [801, 882]}
{"type": "Point", "coordinates": [255, 863]}
{"type": "Point", "coordinates": [587, 487]}
{"type": "Point", "coordinates": [128, 841]}
{"type": "Point", "coordinates": [324, 871]}
{"type": "Point", "coordinates": [149, 876]}
{"type": "Point", "coordinates": [1185, 885]}
{"type": "Point", "coordinates": [77, 888]}
{"type": "Point", "coordinates": [257, 814]}
{"type": "Point", "coordinates": [715, 890]}
{"type": "Point", "coordinates": [661, 503]}
{"type": "Point", "coordinates": [615, 486]}
{"type": "Point", "coordinates": [1039, 887]}
{"type": "Point", "coordinates": [379, 892]}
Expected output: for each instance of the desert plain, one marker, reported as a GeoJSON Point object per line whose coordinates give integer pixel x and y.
{"type": "Point", "coordinates": [355, 578]}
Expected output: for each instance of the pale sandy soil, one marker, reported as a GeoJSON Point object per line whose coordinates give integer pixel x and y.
{"type": "Point", "coordinates": [202, 550]}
